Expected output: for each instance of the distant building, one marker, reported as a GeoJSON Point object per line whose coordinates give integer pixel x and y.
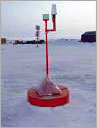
{"type": "Point", "coordinates": [3, 40]}
{"type": "Point", "coordinates": [89, 36]}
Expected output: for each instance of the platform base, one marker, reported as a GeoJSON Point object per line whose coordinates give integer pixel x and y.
{"type": "Point", "coordinates": [48, 101]}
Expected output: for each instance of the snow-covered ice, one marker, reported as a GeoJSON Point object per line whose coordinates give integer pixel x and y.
{"type": "Point", "coordinates": [72, 64]}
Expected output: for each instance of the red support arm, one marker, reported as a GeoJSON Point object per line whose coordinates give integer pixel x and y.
{"type": "Point", "coordinates": [54, 24]}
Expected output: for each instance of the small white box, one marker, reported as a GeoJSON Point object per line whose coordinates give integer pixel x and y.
{"type": "Point", "coordinates": [45, 16]}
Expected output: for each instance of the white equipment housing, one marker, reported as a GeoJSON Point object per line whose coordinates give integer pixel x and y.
{"type": "Point", "coordinates": [45, 16]}
{"type": "Point", "coordinates": [54, 11]}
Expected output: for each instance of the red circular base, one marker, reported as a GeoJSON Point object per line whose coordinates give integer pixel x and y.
{"type": "Point", "coordinates": [49, 101]}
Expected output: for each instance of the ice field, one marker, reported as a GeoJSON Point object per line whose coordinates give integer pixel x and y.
{"type": "Point", "coordinates": [72, 64]}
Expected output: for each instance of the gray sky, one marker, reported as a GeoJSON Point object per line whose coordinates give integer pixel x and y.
{"type": "Point", "coordinates": [18, 19]}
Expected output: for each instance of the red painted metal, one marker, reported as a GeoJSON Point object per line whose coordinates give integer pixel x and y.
{"type": "Point", "coordinates": [47, 59]}
{"type": "Point", "coordinates": [46, 31]}
{"type": "Point", "coordinates": [49, 101]}
{"type": "Point", "coordinates": [54, 25]}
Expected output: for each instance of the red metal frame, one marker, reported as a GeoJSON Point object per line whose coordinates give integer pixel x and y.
{"type": "Point", "coordinates": [54, 100]}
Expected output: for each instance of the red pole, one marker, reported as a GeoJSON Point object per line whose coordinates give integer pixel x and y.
{"type": "Point", "coordinates": [46, 32]}
{"type": "Point", "coordinates": [47, 59]}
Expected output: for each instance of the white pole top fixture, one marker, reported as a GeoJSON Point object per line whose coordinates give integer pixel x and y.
{"type": "Point", "coordinates": [54, 11]}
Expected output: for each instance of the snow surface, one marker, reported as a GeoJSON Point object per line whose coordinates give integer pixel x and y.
{"type": "Point", "coordinates": [72, 64]}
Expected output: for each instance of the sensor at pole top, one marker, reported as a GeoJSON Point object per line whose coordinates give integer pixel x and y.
{"type": "Point", "coordinates": [53, 11]}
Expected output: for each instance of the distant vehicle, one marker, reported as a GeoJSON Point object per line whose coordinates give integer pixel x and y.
{"type": "Point", "coordinates": [3, 40]}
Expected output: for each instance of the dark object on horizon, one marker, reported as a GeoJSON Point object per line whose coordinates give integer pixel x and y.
{"type": "Point", "coordinates": [42, 41]}
{"type": "Point", "coordinates": [18, 42]}
{"type": "Point", "coordinates": [35, 42]}
{"type": "Point", "coordinates": [89, 36]}
{"type": "Point", "coordinates": [29, 42]}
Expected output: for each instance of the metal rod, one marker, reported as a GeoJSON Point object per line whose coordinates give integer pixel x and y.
{"type": "Point", "coordinates": [37, 41]}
